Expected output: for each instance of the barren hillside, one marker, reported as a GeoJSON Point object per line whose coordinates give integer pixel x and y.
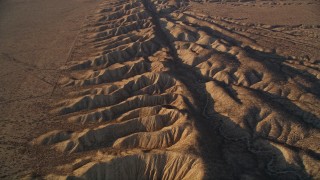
{"type": "Point", "coordinates": [174, 89]}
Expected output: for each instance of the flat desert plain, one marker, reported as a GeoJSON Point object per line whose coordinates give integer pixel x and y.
{"type": "Point", "coordinates": [160, 89]}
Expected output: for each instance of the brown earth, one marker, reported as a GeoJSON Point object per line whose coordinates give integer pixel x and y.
{"type": "Point", "coordinates": [35, 39]}
{"type": "Point", "coordinates": [160, 89]}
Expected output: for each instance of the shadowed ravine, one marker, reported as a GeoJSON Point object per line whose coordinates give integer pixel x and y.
{"type": "Point", "coordinates": [156, 91]}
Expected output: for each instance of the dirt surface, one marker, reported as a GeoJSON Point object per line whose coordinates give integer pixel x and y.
{"type": "Point", "coordinates": [35, 39]}
{"type": "Point", "coordinates": [265, 12]}
{"type": "Point", "coordinates": [160, 89]}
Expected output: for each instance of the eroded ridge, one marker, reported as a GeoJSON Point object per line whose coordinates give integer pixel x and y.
{"type": "Point", "coordinates": [137, 113]}
{"type": "Point", "coordinates": [159, 91]}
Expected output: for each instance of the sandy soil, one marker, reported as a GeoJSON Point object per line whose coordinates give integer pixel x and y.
{"type": "Point", "coordinates": [160, 89]}
{"type": "Point", "coordinates": [35, 39]}
{"type": "Point", "coordinates": [266, 12]}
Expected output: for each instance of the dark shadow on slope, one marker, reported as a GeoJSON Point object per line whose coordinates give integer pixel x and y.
{"type": "Point", "coordinates": [226, 158]}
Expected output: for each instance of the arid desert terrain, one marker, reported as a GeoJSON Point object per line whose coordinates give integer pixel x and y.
{"type": "Point", "coordinates": [160, 89]}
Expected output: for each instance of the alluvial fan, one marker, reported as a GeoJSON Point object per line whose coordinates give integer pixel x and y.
{"type": "Point", "coordinates": [162, 92]}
